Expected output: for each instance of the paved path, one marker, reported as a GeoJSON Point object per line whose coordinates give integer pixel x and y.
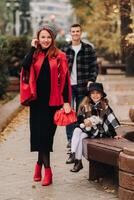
{"type": "Point", "coordinates": [120, 92]}
{"type": "Point", "coordinates": [16, 169]}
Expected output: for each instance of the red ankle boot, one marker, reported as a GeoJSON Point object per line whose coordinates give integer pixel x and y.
{"type": "Point", "coordinates": [37, 172]}
{"type": "Point", "coordinates": [48, 177]}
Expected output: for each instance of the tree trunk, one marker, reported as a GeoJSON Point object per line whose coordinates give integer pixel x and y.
{"type": "Point", "coordinates": [125, 11]}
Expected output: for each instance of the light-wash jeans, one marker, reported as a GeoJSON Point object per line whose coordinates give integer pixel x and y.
{"type": "Point", "coordinates": [76, 99]}
{"type": "Point", "coordinates": [76, 144]}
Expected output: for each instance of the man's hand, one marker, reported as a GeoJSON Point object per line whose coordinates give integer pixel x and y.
{"type": "Point", "coordinates": [89, 83]}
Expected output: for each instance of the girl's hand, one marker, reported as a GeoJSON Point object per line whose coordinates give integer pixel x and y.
{"type": "Point", "coordinates": [67, 107]}
{"type": "Point", "coordinates": [35, 42]}
{"type": "Point", "coordinates": [87, 123]}
{"type": "Point", "coordinates": [117, 137]}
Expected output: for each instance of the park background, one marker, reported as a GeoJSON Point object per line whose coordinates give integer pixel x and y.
{"type": "Point", "coordinates": [108, 25]}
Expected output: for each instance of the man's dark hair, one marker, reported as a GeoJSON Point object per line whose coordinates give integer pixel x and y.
{"type": "Point", "coordinates": [76, 25]}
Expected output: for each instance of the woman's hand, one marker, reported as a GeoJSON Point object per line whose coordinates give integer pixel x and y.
{"type": "Point", "coordinates": [34, 42]}
{"type": "Point", "coordinates": [67, 107]}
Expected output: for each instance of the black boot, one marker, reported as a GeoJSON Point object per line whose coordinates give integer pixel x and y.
{"type": "Point", "coordinates": [69, 144]}
{"type": "Point", "coordinates": [71, 158]}
{"type": "Point", "coordinates": [77, 166]}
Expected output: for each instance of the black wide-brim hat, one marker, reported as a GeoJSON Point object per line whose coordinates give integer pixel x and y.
{"type": "Point", "coordinates": [96, 86]}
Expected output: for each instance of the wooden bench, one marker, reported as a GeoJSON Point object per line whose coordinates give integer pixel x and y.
{"type": "Point", "coordinates": [104, 67]}
{"type": "Point", "coordinates": [105, 155]}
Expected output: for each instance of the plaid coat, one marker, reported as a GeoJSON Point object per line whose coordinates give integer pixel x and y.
{"type": "Point", "coordinates": [108, 125]}
{"type": "Point", "coordinates": [87, 67]}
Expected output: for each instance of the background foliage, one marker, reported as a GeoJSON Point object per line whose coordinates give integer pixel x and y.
{"type": "Point", "coordinates": [3, 69]}
{"type": "Point", "coordinates": [12, 51]}
{"type": "Point", "coordinates": [102, 21]}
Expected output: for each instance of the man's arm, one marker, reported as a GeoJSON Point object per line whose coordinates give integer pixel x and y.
{"type": "Point", "coordinates": [93, 65]}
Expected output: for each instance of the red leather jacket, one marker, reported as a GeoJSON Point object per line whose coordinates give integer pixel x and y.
{"type": "Point", "coordinates": [56, 97]}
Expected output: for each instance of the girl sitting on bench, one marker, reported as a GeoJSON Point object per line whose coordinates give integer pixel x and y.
{"type": "Point", "coordinates": [95, 120]}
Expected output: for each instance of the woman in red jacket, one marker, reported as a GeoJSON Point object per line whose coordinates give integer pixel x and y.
{"type": "Point", "coordinates": [52, 91]}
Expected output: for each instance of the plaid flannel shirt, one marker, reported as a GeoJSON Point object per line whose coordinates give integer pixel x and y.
{"type": "Point", "coordinates": [87, 67]}
{"type": "Point", "coordinates": [104, 129]}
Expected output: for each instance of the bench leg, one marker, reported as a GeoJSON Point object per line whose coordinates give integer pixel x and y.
{"type": "Point", "coordinates": [99, 170]}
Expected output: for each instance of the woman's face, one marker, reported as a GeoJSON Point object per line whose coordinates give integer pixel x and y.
{"type": "Point", "coordinates": [45, 39]}
{"type": "Point", "coordinates": [95, 96]}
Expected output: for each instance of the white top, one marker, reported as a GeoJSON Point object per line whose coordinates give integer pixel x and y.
{"type": "Point", "coordinates": [74, 67]}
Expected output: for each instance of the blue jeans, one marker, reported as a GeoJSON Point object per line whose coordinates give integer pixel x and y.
{"type": "Point", "coordinates": [76, 99]}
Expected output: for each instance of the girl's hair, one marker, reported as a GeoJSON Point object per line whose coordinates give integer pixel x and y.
{"type": "Point", "coordinates": [53, 50]}
{"type": "Point", "coordinates": [88, 101]}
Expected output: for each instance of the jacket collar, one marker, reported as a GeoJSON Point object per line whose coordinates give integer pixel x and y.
{"type": "Point", "coordinates": [82, 45]}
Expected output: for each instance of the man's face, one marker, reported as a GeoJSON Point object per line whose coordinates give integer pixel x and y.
{"type": "Point", "coordinates": [76, 33]}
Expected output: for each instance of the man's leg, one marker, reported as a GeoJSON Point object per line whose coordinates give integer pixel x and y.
{"type": "Point", "coordinates": [76, 99]}
{"type": "Point", "coordinates": [69, 132]}
{"type": "Point", "coordinates": [70, 128]}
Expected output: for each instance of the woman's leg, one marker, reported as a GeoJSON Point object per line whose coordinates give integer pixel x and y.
{"type": "Point", "coordinates": [38, 168]}
{"type": "Point", "coordinates": [48, 172]}
{"type": "Point", "coordinates": [40, 161]}
{"type": "Point", "coordinates": [46, 159]}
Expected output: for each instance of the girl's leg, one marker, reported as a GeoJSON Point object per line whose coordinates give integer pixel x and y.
{"type": "Point", "coordinates": [78, 154]}
{"type": "Point", "coordinates": [75, 139]}
{"type": "Point", "coordinates": [74, 144]}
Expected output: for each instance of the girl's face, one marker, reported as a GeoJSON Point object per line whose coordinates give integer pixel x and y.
{"type": "Point", "coordinates": [45, 39]}
{"type": "Point", "coordinates": [95, 96]}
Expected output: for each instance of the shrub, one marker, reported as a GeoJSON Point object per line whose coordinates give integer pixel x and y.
{"type": "Point", "coordinates": [3, 70]}
{"type": "Point", "coordinates": [12, 52]}
{"type": "Point", "coordinates": [17, 48]}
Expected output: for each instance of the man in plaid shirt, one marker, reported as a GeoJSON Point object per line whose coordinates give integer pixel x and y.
{"type": "Point", "coordinates": [83, 69]}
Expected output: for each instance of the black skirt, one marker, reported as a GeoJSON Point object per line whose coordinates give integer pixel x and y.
{"type": "Point", "coordinates": [42, 128]}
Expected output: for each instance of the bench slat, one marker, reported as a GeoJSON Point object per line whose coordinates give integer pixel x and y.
{"type": "Point", "coordinates": [103, 67]}
{"type": "Point", "coordinates": [111, 143]}
{"type": "Point", "coordinates": [105, 155]}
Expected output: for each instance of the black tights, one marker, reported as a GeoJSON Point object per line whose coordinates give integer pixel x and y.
{"type": "Point", "coordinates": [44, 158]}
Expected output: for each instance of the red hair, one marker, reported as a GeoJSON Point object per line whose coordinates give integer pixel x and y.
{"type": "Point", "coordinates": [53, 50]}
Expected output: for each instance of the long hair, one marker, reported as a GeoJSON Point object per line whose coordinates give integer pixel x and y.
{"type": "Point", "coordinates": [87, 101]}
{"type": "Point", "coordinates": [53, 50]}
